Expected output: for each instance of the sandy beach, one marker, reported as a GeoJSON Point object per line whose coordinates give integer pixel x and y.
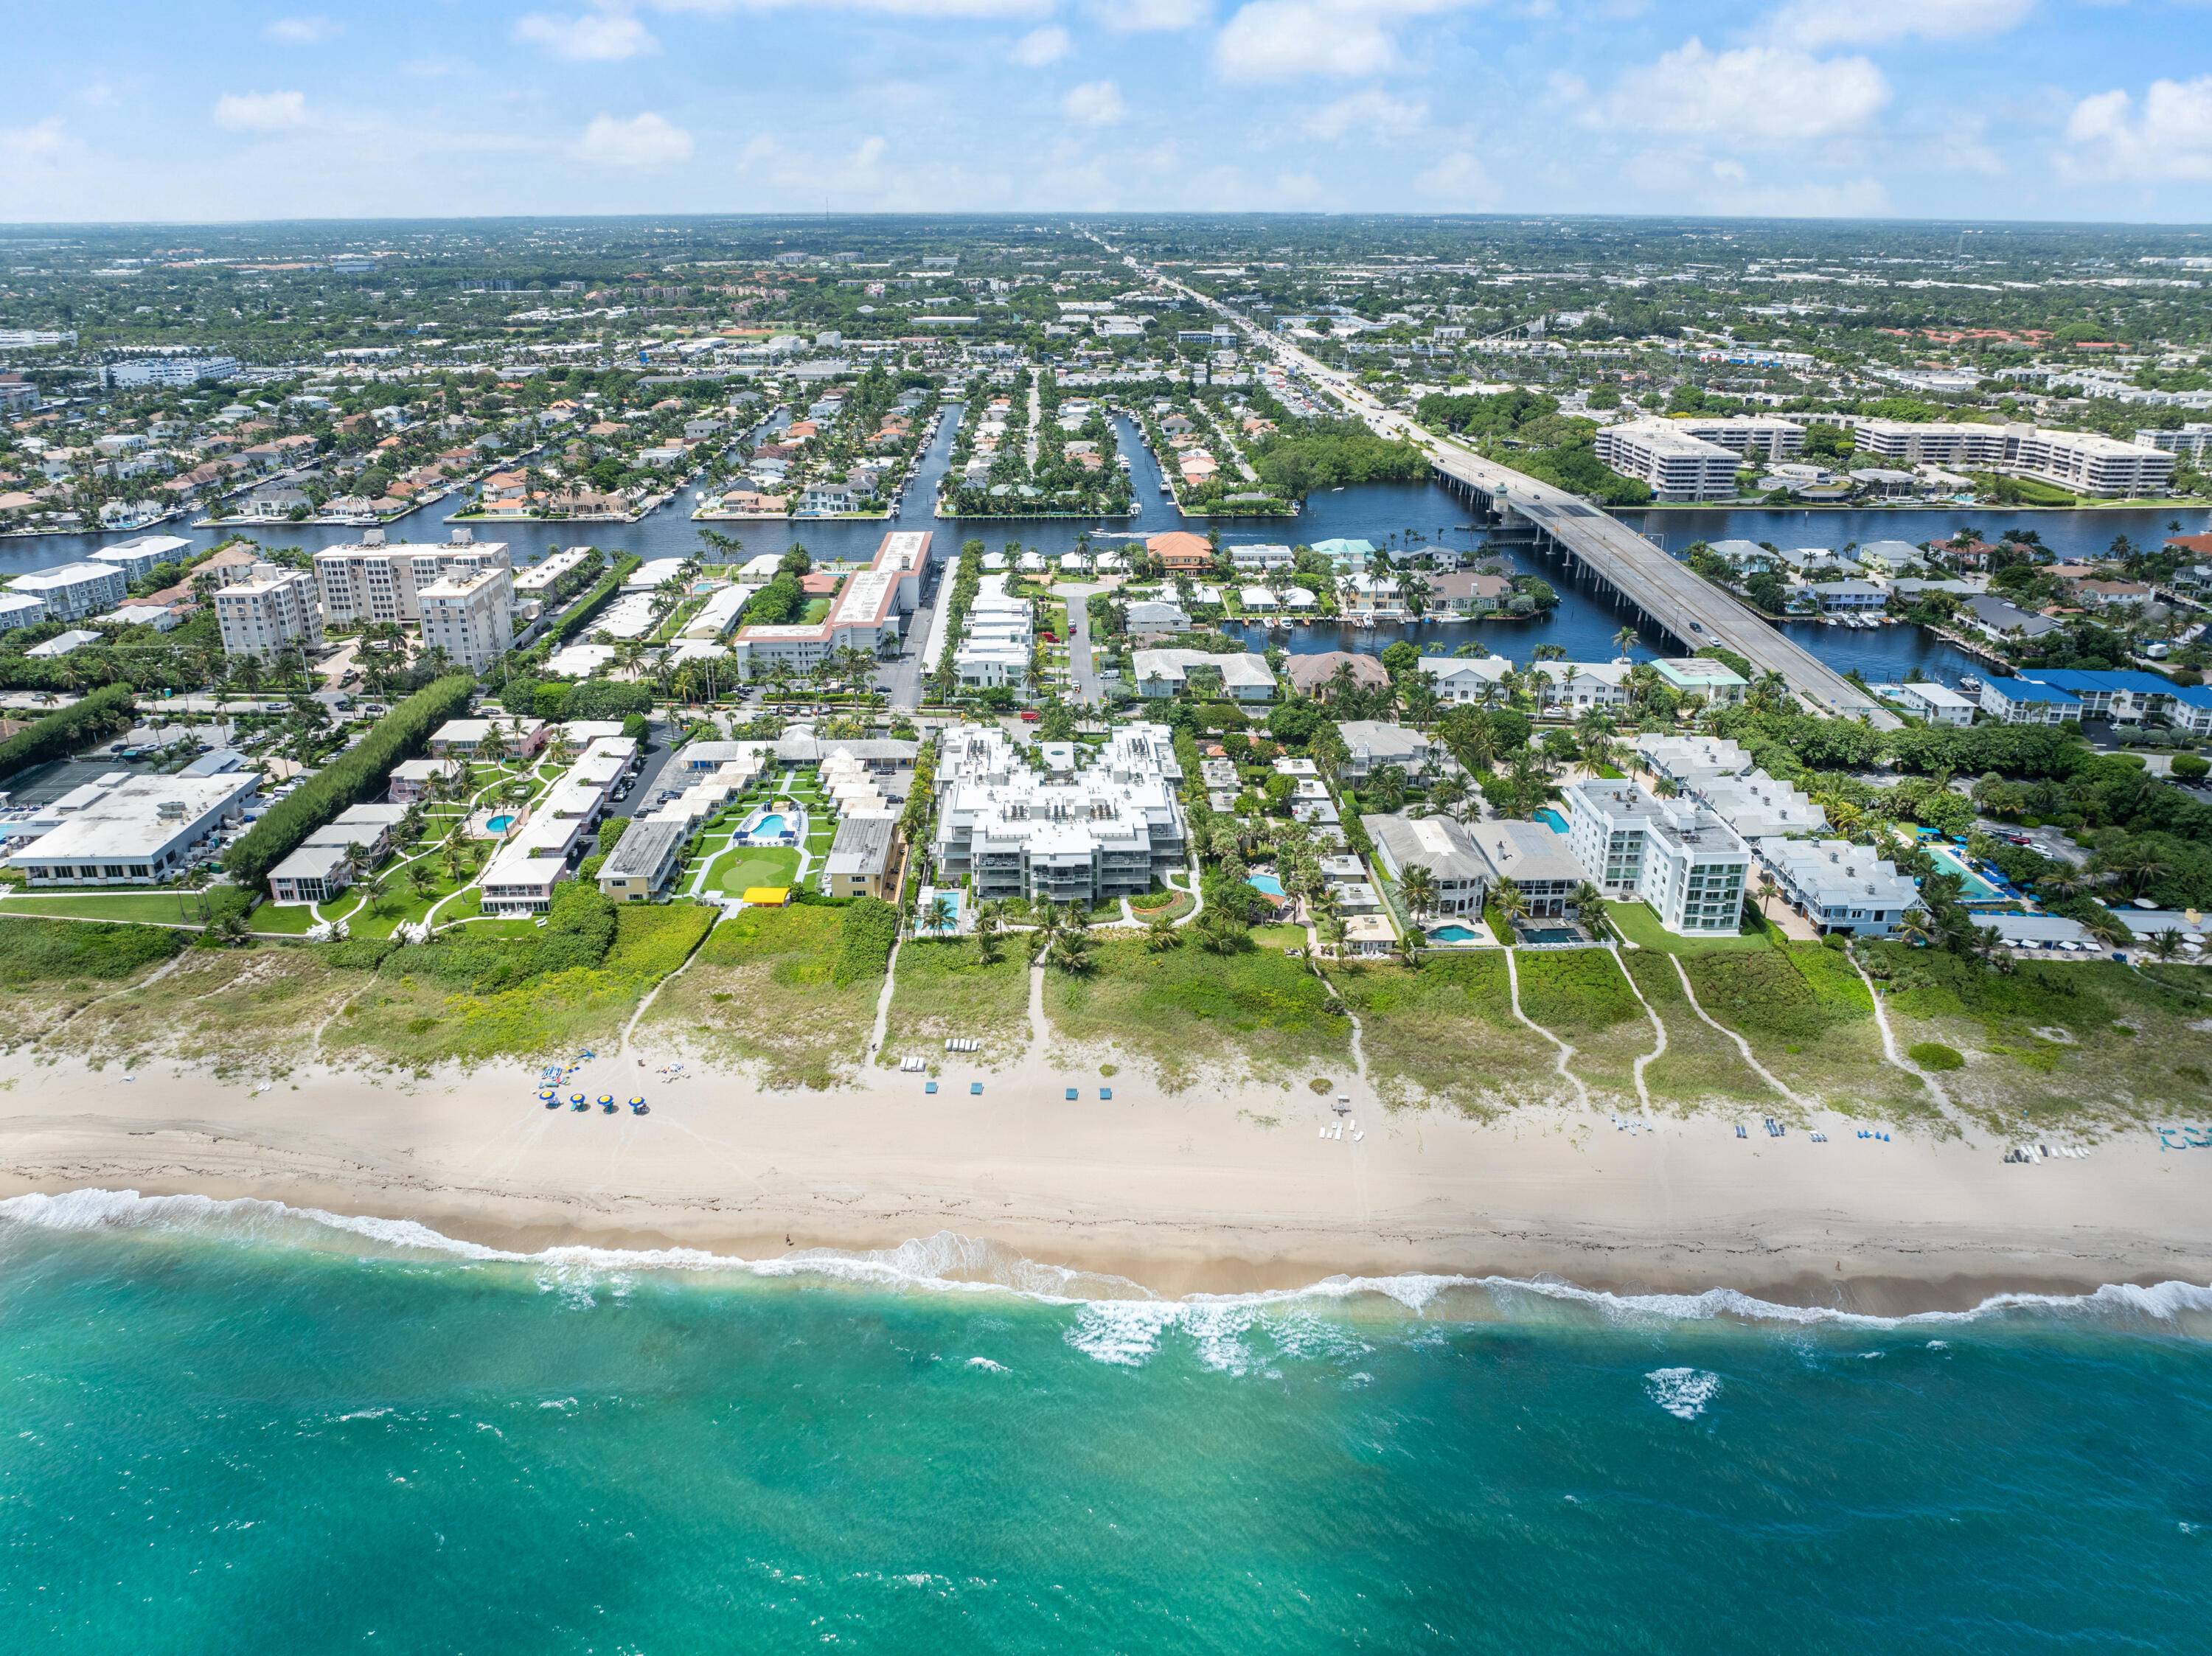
{"type": "Point", "coordinates": [1207, 1190]}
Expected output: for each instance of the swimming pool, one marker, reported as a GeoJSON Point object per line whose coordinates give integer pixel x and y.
{"type": "Point", "coordinates": [499, 824]}
{"type": "Point", "coordinates": [770, 827]}
{"type": "Point", "coordinates": [1550, 934]}
{"type": "Point", "coordinates": [1453, 933]}
{"type": "Point", "coordinates": [1972, 888]}
{"type": "Point", "coordinates": [1551, 820]}
{"type": "Point", "coordinates": [1266, 883]}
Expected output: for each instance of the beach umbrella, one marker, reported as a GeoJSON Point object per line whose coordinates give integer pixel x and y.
{"type": "Point", "coordinates": [607, 1102]}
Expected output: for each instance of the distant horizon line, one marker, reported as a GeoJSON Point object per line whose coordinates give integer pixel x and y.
{"type": "Point", "coordinates": [60, 225]}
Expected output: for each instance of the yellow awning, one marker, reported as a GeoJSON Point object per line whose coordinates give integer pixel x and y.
{"type": "Point", "coordinates": [768, 896]}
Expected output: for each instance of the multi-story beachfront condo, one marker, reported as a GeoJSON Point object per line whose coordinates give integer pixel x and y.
{"type": "Point", "coordinates": [999, 643]}
{"type": "Point", "coordinates": [376, 579]}
{"type": "Point", "coordinates": [74, 588]}
{"type": "Point", "coordinates": [2085, 462]}
{"type": "Point", "coordinates": [1760, 436]}
{"type": "Point", "coordinates": [470, 617]}
{"type": "Point", "coordinates": [2191, 441]}
{"type": "Point", "coordinates": [1678, 466]}
{"type": "Point", "coordinates": [1087, 833]}
{"type": "Point", "coordinates": [1674, 854]}
{"type": "Point", "coordinates": [868, 614]}
{"type": "Point", "coordinates": [274, 607]}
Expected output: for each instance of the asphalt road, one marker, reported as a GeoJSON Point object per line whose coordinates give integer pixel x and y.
{"type": "Point", "coordinates": [658, 752]}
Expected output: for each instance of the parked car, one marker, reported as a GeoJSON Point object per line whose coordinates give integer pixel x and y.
{"type": "Point", "coordinates": [1030, 715]}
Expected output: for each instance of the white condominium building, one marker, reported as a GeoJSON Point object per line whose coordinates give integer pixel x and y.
{"type": "Point", "coordinates": [1112, 827]}
{"type": "Point", "coordinates": [75, 589]}
{"type": "Point", "coordinates": [121, 829]}
{"type": "Point", "coordinates": [272, 609]}
{"type": "Point", "coordinates": [1841, 887]}
{"type": "Point", "coordinates": [999, 642]}
{"type": "Point", "coordinates": [1760, 435]}
{"type": "Point", "coordinates": [868, 614]}
{"type": "Point", "coordinates": [377, 580]}
{"type": "Point", "coordinates": [1673, 854]}
{"type": "Point", "coordinates": [1679, 467]}
{"type": "Point", "coordinates": [470, 617]}
{"type": "Point", "coordinates": [538, 580]}
{"type": "Point", "coordinates": [2085, 462]}
{"type": "Point", "coordinates": [2190, 441]}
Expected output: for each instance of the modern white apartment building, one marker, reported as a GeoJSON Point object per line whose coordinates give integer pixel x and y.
{"type": "Point", "coordinates": [2190, 441]}
{"type": "Point", "coordinates": [535, 856]}
{"type": "Point", "coordinates": [1678, 467]}
{"type": "Point", "coordinates": [470, 617]}
{"type": "Point", "coordinates": [867, 614]}
{"type": "Point", "coordinates": [998, 645]}
{"type": "Point", "coordinates": [1111, 828]}
{"type": "Point", "coordinates": [169, 371]}
{"type": "Point", "coordinates": [75, 590]}
{"type": "Point", "coordinates": [377, 580]}
{"type": "Point", "coordinates": [1261, 556]}
{"type": "Point", "coordinates": [273, 609]}
{"type": "Point", "coordinates": [1939, 704]}
{"type": "Point", "coordinates": [1752, 435]}
{"type": "Point", "coordinates": [137, 556]}
{"type": "Point", "coordinates": [1578, 686]}
{"type": "Point", "coordinates": [2087, 462]}
{"type": "Point", "coordinates": [1840, 887]}
{"type": "Point", "coordinates": [538, 580]}
{"type": "Point", "coordinates": [1675, 855]}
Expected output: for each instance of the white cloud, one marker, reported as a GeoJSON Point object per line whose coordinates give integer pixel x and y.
{"type": "Point", "coordinates": [261, 112]}
{"type": "Point", "coordinates": [1039, 47]}
{"type": "Point", "coordinates": [2169, 137]}
{"type": "Point", "coordinates": [1143, 16]}
{"type": "Point", "coordinates": [1373, 113]}
{"type": "Point", "coordinates": [1760, 95]}
{"type": "Point", "coordinates": [986, 10]}
{"type": "Point", "coordinates": [1811, 23]}
{"type": "Point", "coordinates": [1095, 103]}
{"type": "Point", "coordinates": [41, 143]}
{"type": "Point", "coordinates": [304, 31]}
{"type": "Point", "coordinates": [1458, 180]}
{"type": "Point", "coordinates": [1285, 39]}
{"type": "Point", "coordinates": [591, 37]}
{"type": "Point", "coordinates": [642, 141]}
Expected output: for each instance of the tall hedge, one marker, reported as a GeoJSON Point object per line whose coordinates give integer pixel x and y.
{"type": "Point", "coordinates": [349, 778]}
{"type": "Point", "coordinates": [589, 605]}
{"type": "Point", "coordinates": [63, 731]}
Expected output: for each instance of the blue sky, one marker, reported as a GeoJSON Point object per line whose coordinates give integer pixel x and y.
{"type": "Point", "coordinates": [2074, 109]}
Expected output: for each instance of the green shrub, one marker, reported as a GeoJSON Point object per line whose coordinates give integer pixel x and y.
{"type": "Point", "coordinates": [48, 951]}
{"type": "Point", "coordinates": [2190, 768]}
{"type": "Point", "coordinates": [593, 601]}
{"type": "Point", "coordinates": [358, 954]}
{"type": "Point", "coordinates": [347, 779]}
{"type": "Point", "coordinates": [870, 931]}
{"type": "Point", "coordinates": [1935, 1055]}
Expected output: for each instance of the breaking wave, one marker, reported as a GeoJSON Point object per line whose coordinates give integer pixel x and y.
{"type": "Point", "coordinates": [1117, 1321]}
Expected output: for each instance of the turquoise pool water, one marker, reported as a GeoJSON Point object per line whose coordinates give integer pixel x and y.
{"type": "Point", "coordinates": [1266, 883]}
{"type": "Point", "coordinates": [500, 823]}
{"type": "Point", "coordinates": [1453, 933]}
{"type": "Point", "coordinates": [1551, 820]}
{"type": "Point", "coordinates": [769, 826]}
{"type": "Point", "coordinates": [1550, 934]}
{"type": "Point", "coordinates": [1972, 888]}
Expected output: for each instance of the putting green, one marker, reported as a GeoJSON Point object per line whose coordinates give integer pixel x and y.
{"type": "Point", "coordinates": [772, 865]}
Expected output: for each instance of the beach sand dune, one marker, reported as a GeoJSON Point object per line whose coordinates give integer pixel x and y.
{"type": "Point", "coordinates": [1208, 1188]}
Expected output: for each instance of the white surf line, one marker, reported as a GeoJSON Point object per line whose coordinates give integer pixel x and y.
{"type": "Point", "coordinates": [1566, 1048]}
{"type": "Point", "coordinates": [1643, 1092]}
{"type": "Point", "coordinates": [1889, 1046]}
{"type": "Point", "coordinates": [1742, 1046]}
{"type": "Point", "coordinates": [883, 1000]}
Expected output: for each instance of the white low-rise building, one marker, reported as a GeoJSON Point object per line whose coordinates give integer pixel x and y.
{"type": "Point", "coordinates": [1839, 886]}
{"type": "Point", "coordinates": [1720, 684]}
{"type": "Point", "coordinates": [74, 590]}
{"type": "Point", "coordinates": [999, 641]}
{"type": "Point", "coordinates": [1244, 678]}
{"type": "Point", "coordinates": [140, 555]}
{"type": "Point", "coordinates": [121, 829]}
{"type": "Point", "coordinates": [1676, 465]}
{"type": "Point", "coordinates": [1939, 704]}
{"type": "Point", "coordinates": [1467, 679]}
{"type": "Point", "coordinates": [1112, 827]}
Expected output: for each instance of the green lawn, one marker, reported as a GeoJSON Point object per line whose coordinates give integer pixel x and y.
{"type": "Point", "coordinates": [752, 865]}
{"type": "Point", "coordinates": [761, 993]}
{"type": "Point", "coordinates": [1701, 1065]}
{"type": "Point", "coordinates": [1445, 1033]}
{"type": "Point", "coordinates": [1187, 1011]}
{"type": "Point", "coordinates": [1637, 924]}
{"type": "Point", "coordinates": [121, 906]}
{"type": "Point", "coordinates": [292, 920]}
{"type": "Point", "coordinates": [944, 990]}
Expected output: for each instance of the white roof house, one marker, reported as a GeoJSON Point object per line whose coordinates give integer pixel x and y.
{"type": "Point", "coordinates": [121, 829]}
{"type": "Point", "coordinates": [1840, 887]}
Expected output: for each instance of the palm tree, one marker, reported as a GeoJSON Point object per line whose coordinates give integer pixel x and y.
{"type": "Point", "coordinates": [936, 914]}
{"type": "Point", "coordinates": [493, 747]}
{"type": "Point", "coordinates": [1511, 903]}
{"type": "Point", "coordinates": [1589, 907]}
{"type": "Point", "coordinates": [1419, 887]}
{"type": "Point", "coordinates": [1666, 788]}
{"type": "Point", "coordinates": [2165, 944]}
{"type": "Point", "coordinates": [1624, 640]}
{"type": "Point", "coordinates": [986, 932]}
{"type": "Point", "coordinates": [1161, 935]}
{"type": "Point", "coordinates": [1070, 951]}
{"type": "Point", "coordinates": [1767, 889]}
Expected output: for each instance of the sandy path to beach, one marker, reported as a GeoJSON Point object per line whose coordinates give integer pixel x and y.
{"type": "Point", "coordinates": [1219, 1189]}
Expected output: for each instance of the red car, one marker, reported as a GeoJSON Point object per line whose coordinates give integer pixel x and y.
{"type": "Point", "coordinates": [1030, 715]}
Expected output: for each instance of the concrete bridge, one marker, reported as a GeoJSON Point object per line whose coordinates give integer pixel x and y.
{"type": "Point", "coordinates": [1637, 574]}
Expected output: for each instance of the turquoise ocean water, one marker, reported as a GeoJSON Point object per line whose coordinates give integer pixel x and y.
{"type": "Point", "coordinates": [233, 1427]}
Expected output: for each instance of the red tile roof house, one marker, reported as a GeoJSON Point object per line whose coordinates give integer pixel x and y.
{"type": "Point", "coordinates": [1181, 551]}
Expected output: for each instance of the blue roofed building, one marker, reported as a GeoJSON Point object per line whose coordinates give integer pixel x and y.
{"type": "Point", "coordinates": [2127, 695]}
{"type": "Point", "coordinates": [2028, 701]}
